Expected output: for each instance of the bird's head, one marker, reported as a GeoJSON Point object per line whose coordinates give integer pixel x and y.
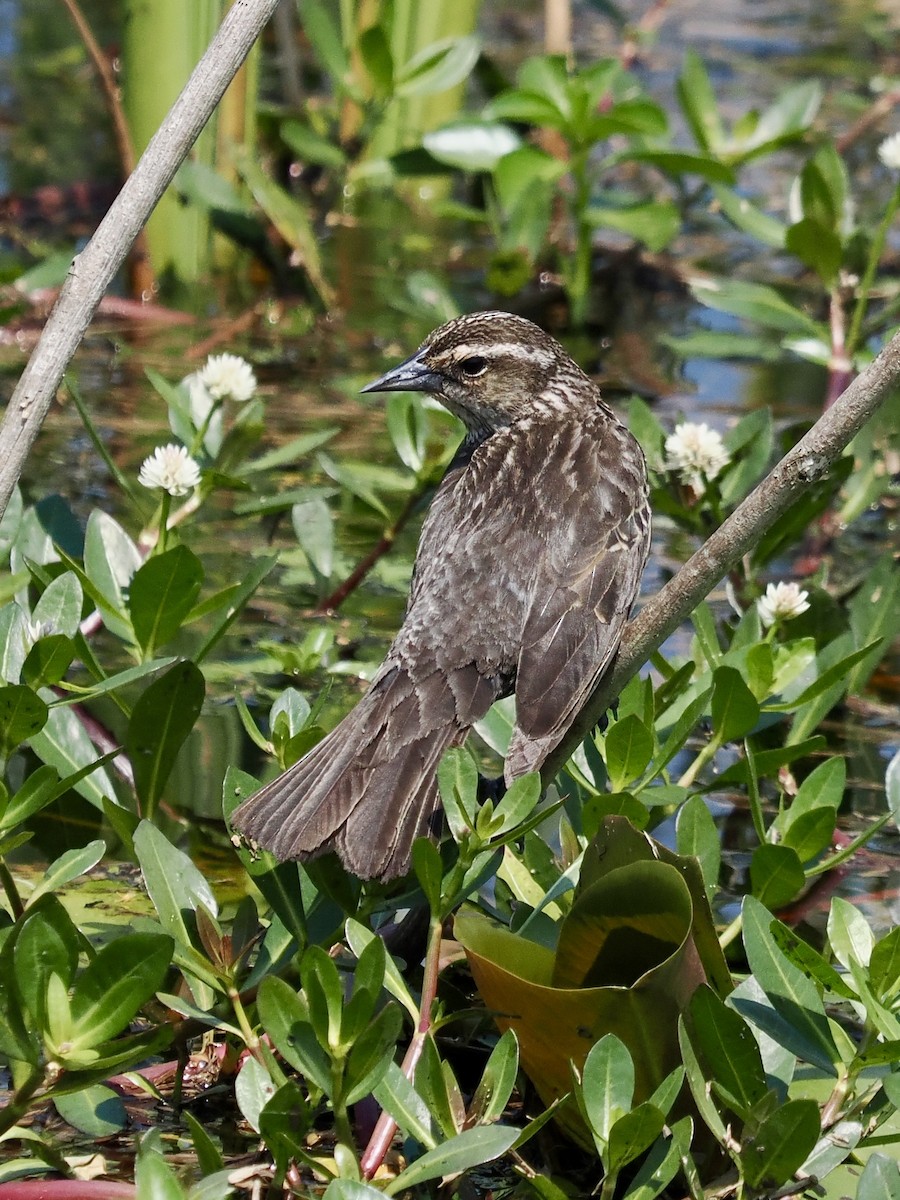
{"type": "Point", "coordinates": [488, 368]}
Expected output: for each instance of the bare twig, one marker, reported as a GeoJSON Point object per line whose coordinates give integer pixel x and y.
{"type": "Point", "coordinates": [93, 269]}
{"type": "Point", "coordinates": [809, 461]}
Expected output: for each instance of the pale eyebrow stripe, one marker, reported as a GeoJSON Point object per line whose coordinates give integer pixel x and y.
{"type": "Point", "coordinates": [536, 354]}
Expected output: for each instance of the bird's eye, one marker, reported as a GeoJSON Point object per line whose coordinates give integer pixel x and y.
{"type": "Point", "coordinates": [476, 365]}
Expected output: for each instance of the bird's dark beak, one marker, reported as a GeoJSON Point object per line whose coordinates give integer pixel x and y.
{"type": "Point", "coordinates": [410, 376]}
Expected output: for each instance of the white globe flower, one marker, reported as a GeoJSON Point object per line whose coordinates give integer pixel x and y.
{"type": "Point", "coordinates": [170, 468]}
{"type": "Point", "coordinates": [781, 602]}
{"type": "Point", "coordinates": [697, 453]}
{"type": "Point", "coordinates": [228, 377]}
{"type": "Point", "coordinates": [889, 152]}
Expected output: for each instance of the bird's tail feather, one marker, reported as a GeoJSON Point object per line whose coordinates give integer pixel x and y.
{"type": "Point", "coordinates": [386, 752]}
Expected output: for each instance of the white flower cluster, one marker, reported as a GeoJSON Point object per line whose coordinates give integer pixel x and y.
{"type": "Point", "coordinates": [697, 453]}
{"type": "Point", "coordinates": [781, 602]}
{"type": "Point", "coordinates": [170, 468]}
{"type": "Point", "coordinates": [889, 152]}
{"type": "Point", "coordinates": [228, 377]}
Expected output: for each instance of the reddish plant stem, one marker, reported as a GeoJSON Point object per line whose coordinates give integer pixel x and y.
{"type": "Point", "coordinates": [142, 279]}
{"type": "Point", "coordinates": [386, 1126]}
{"type": "Point", "coordinates": [365, 565]}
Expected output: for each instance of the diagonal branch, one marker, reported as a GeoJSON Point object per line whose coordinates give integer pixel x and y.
{"type": "Point", "coordinates": [809, 460]}
{"type": "Point", "coordinates": [93, 269]}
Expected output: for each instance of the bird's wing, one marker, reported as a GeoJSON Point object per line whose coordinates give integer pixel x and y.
{"type": "Point", "coordinates": [583, 591]}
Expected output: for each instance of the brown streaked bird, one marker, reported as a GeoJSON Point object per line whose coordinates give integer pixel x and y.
{"type": "Point", "coordinates": [528, 563]}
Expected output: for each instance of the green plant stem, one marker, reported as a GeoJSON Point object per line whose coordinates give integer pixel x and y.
{"type": "Point", "coordinates": [580, 276]}
{"type": "Point", "coordinates": [164, 508]}
{"type": "Point", "coordinates": [12, 892]}
{"type": "Point", "coordinates": [730, 932]}
{"type": "Point", "coordinates": [18, 1106]}
{"type": "Point", "coordinates": [706, 754]}
{"type": "Point", "coordinates": [386, 1126]}
{"type": "Point", "coordinates": [835, 860]}
{"type": "Point", "coordinates": [237, 1005]}
{"type": "Point", "coordinates": [865, 284]}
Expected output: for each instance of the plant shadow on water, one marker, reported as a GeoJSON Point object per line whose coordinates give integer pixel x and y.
{"type": "Point", "coordinates": [701, 749]}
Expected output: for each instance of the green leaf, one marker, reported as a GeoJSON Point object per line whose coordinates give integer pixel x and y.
{"type": "Point", "coordinates": [235, 605]}
{"type": "Point", "coordinates": [468, 1149]}
{"type": "Point", "coordinates": [735, 710]}
{"type": "Point", "coordinates": [458, 784]}
{"type": "Point", "coordinates": [154, 1177]}
{"type": "Point", "coordinates": [683, 162]}
{"type": "Point", "coordinates": [776, 875]}
{"type": "Point", "coordinates": [884, 966]}
{"type": "Point", "coordinates": [110, 561]}
{"type": "Point", "coordinates": [607, 1086]}
{"type": "Point", "coordinates": [755, 302]}
{"type": "Point", "coordinates": [628, 748]}
{"type": "Point", "coordinates": [696, 835]}
{"type": "Point", "coordinates": [372, 1050]}
{"type": "Point", "coordinates": [253, 1089]}
{"type": "Point", "coordinates": [748, 218]}
{"type": "Point", "coordinates": [64, 744]}
{"type": "Point", "coordinates": [397, 1096]}
{"type": "Point", "coordinates": [698, 103]}
{"type": "Point", "coordinates": [96, 1110]}
{"type": "Point", "coordinates": [48, 660]}
{"type": "Point", "coordinates": [161, 720]}
{"type": "Point", "coordinates": [631, 1135]}
{"type": "Point", "coordinates": [310, 146]}
{"type": "Point", "coordinates": [654, 223]}
{"type": "Point", "coordinates": [163, 592]}
{"type": "Point", "coordinates": [729, 1052]}
{"type": "Point", "coordinates": [497, 1081]}
{"type": "Point", "coordinates": [810, 962]}
{"type": "Point", "coordinates": [472, 145]}
{"type": "Point", "coordinates": [662, 1163]}
{"type": "Point", "coordinates": [175, 885]}
{"type": "Point", "coordinates": [880, 1179]}
{"type": "Point", "coordinates": [23, 714]}
{"type": "Point", "coordinates": [791, 994]}
{"type": "Point", "coordinates": [817, 248]}
{"type": "Point", "coordinates": [285, 1018]}
{"type": "Point", "coordinates": [115, 984]}
{"type": "Point", "coordinates": [782, 1142]}
{"type": "Point", "coordinates": [849, 934]}
{"type": "Point", "coordinates": [46, 945]}
{"type": "Point", "coordinates": [67, 867]}
{"type": "Point", "coordinates": [60, 605]}
{"type": "Point", "coordinates": [314, 529]}
{"type": "Point", "coordinates": [438, 67]}
{"type": "Point", "coordinates": [290, 218]}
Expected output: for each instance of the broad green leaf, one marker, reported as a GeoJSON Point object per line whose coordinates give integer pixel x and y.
{"type": "Point", "coordinates": [735, 710]}
{"type": "Point", "coordinates": [697, 835]}
{"type": "Point", "coordinates": [285, 1017]}
{"type": "Point", "coordinates": [397, 1096]}
{"type": "Point", "coordinates": [810, 962]}
{"type": "Point", "coordinates": [632, 1134]}
{"type": "Point", "coordinates": [163, 592]}
{"type": "Point", "coordinates": [458, 783]}
{"type": "Point", "coordinates": [161, 720]}
{"type": "Point", "coordinates": [662, 1163]}
{"type": "Point", "coordinates": [776, 875]}
{"type": "Point", "coordinates": [64, 744]}
{"type": "Point", "coordinates": [849, 934]}
{"type": "Point", "coordinates": [874, 613]}
{"type": "Point", "coordinates": [67, 867]}
{"type": "Point", "coordinates": [154, 1177]}
{"type": "Point", "coordinates": [792, 996]}
{"type": "Point", "coordinates": [683, 162]}
{"type": "Point", "coordinates": [880, 1179]}
{"type": "Point", "coordinates": [698, 103]}
{"type": "Point", "coordinates": [468, 1149]}
{"type": "Point", "coordinates": [115, 984]}
{"type": "Point", "coordinates": [438, 67]}
{"type": "Point", "coordinates": [472, 146]}
{"type": "Point", "coordinates": [96, 1110]}
{"type": "Point", "coordinates": [818, 248]}
{"type": "Point", "coordinates": [324, 995]}
{"type": "Point", "coordinates": [884, 966]}
{"type": "Point", "coordinates": [314, 529]}
{"type": "Point", "coordinates": [48, 660]}
{"type": "Point", "coordinates": [14, 641]}
{"type": "Point", "coordinates": [310, 146]}
{"type": "Point", "coordinates": [747, 217]}
{"type": "Point", "coordinates": [46, 945]}
{"type": "Point", "coordinates": [607, 1086]}
{"type": "Point", "coordinates": [755, 302]}
{"type": "Point", "coordinates": [784, 1139]}
{"type": "Point", "coordinates": [497, 1081]}
{"type": "Point", "coordinates": [23, 714]}
{"type": "Point", "coordinates": [253, 1089]}
{"type": "Point", "coordinates": [628, 747]}
{"type": "Point", "coordinates": [60, 605]}
{"type": "Point", "coordinates": [729, 1052]}
{"type": "Point", "coordinates": [372, 1050]}
{"type": "Point", "coordinates": [655, 223]}
{"type": "Point", "coordinates": [110, 562]}
{"type": "Point", "coordinates": [175, 885]}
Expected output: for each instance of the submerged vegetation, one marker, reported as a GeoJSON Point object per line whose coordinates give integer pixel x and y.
{"type": "Point", "coordinates": [553, 1003]}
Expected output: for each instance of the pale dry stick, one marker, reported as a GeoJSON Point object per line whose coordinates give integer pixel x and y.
{"type": "Point", "coordinates": [809, 461]}
{"type": "Point", "coordinates": [93, 269]}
